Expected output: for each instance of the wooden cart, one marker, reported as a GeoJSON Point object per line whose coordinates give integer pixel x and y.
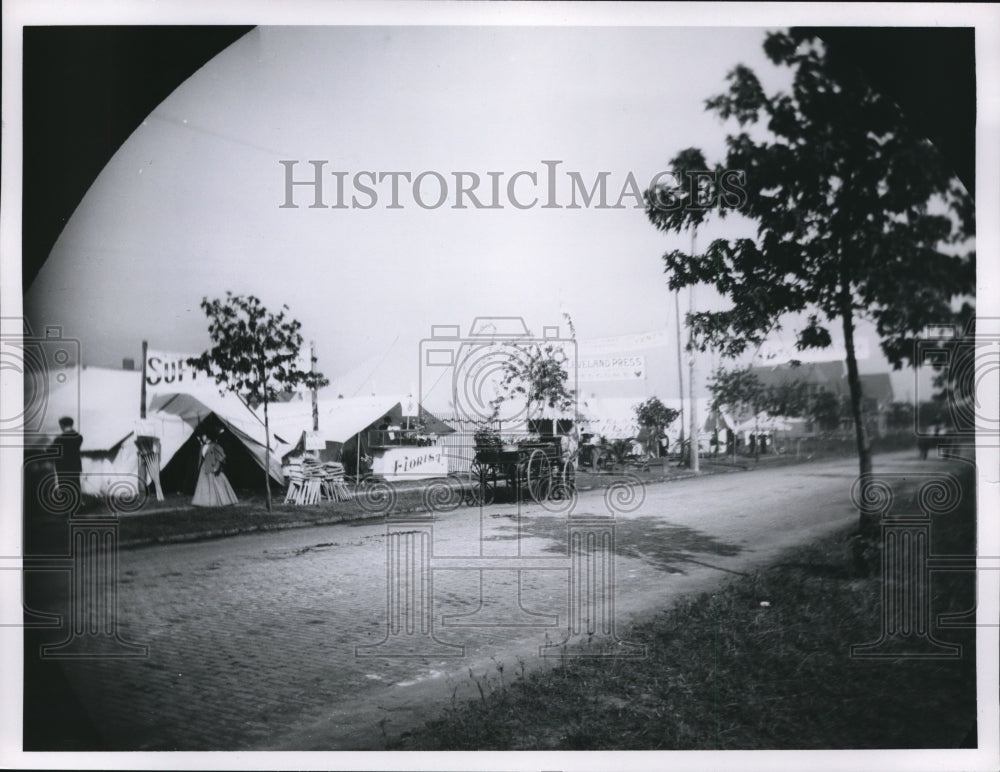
{"type": "Point", "coordinates": [538, 467]}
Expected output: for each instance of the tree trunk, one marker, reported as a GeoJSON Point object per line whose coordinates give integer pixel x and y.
{"type": "Point", "coordinates": [267, 456]}
{"type": "Point", "coordinates": [866, 525]}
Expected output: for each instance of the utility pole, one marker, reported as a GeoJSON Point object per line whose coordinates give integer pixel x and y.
{"type": "Point", "coordinates": [694, 409]}
{"type": "Point", "coordinates": [680, 367]}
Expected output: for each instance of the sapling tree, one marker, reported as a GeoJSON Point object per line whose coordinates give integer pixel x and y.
{"type": "Point", "coordinates": [653, 416]}
{"type": "Point", "coordinates": [255, 355]}
{"type": "Point", "coordinates": [536, 374]}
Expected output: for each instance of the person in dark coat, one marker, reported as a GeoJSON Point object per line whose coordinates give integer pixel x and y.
{"type": "Point", "coordinates": [67, 462]}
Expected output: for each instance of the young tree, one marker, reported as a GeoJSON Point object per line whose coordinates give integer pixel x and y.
{"type": "Point", "coordinates": [254, 355]}
{"type": "Point", "coordinates": [857, 217]}
{"type": "Point", "coordinates": [536, 374]}
{"type": "Point", "coordinates": [653, 416]}
{"type": "Point", "coordinates": [825, 410]}
{"type": "Point", "coordinates": [789, 398]}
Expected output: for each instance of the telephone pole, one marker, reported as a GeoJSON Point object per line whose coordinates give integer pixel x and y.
{"type": "Point", "coordinates": [680, 368]}
{"type": "Point", "coordinates": [694, 409]}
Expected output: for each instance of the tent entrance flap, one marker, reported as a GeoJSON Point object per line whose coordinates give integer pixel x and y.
{"type": "Point", "coordinates": [232, 415]}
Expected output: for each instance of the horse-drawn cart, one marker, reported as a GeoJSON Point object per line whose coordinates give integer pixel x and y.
{"type": "Point", "coordinates": [539, 467]}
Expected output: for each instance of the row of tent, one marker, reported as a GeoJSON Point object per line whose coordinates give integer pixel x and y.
{"type": "Point", "coordinates": [104, 404]}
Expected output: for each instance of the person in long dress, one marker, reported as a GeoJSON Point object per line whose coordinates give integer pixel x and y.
{"type": "Point", "coordinates": [213, 488]}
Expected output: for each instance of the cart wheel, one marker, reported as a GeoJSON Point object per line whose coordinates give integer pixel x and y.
{"type": "Point", "coordinates": [483, 490]}
{"type": "Point", "coordinates": [538, 475]}
{"type": "Point", "coordinates": [569, 479]}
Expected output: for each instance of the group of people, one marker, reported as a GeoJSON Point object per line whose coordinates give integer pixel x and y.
{"type": "Point", "coordinates": [212, 489]}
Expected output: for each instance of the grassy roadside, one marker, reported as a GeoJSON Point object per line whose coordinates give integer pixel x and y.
{"type": "Point", "coordinates": [725, 671]}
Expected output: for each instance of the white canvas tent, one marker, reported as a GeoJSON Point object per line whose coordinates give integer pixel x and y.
{"type": "Point", "coordinates": [718, 419]}
{"type": "Point", "coordinates": [610, 417]}
{"type": "Point", "coordinates": [232, 414]}
{"type": "Point", "coordinates": [339, 419]}
{"type": "Point", "coordinates": [614, 417]}
{"type": "Point", "coordinates": [104, 404]}
{"type": "Point", "coordinates": [764, 422]}
{"type": "Point", "coordinates": [342, 419]}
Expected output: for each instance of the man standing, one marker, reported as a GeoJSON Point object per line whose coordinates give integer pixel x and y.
{"type": "Point", "coordinates": [68, 465]}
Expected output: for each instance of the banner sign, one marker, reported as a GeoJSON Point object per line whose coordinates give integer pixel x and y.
{"type": "Point", "coordinates": [776, 353]}
{"type": "Point", "coordinates": [611, 368]}
{"type": "Point", "coordinates": [622, 343]}
{"type": "Point", "coordinates": [409, 463]}
{"type": "Point", "coordinates": [168, 371]}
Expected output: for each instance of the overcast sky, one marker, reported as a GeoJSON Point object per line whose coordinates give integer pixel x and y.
{"type": "Point", "coordinates": [190, 206]}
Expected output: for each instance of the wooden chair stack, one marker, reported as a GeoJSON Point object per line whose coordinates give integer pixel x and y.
{"type": "Point", "coordinates": [334, 486]}
{"type": "Point", "coordinates": [310, 482]}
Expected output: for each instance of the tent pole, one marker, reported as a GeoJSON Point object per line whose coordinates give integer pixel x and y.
{"type": "Point", "coordinates": [142, 389]}
{"type": "Point", "coordinates": [315, 399]}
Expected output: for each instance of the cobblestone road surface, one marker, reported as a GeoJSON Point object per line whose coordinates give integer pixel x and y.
{"type": "Point", "coordinates": [252, 639]}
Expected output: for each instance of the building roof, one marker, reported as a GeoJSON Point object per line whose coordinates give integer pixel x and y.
{"type": "Point", "coordinates": [827, 374]}
{"type": "Point", "coordinates": [877, 386]}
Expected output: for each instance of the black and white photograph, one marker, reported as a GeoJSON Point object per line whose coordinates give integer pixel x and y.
{"type": "Point", "coordinates": [500, 386]}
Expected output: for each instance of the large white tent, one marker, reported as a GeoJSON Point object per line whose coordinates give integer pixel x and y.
{"type": "Point", "coordinates": [342, 419]}
{"type": "Point", "coordinates": [614, 417]}
{"type": "Point", "coordinates": [232, 414]}
{"type": "Point", "coordinates": [610, 417]}
{"type": "Point", "coordinates": [104, 404]}
{"type": "Point", "coordinates": [339, 419]}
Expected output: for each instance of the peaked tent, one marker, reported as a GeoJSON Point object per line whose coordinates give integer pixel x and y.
{"type": "Point", "coordinates": [227, 412]}
{"type": "Point", "coordinates": [610, 417]}
{"type": "Point", "coordinates": [104, 405]}
{"type": "Point", "coordinates": [764, 422]}
{"type": "Point", "coordinates": [340, 420]}
{"type": "Point", "coordinates": [718, 420]}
